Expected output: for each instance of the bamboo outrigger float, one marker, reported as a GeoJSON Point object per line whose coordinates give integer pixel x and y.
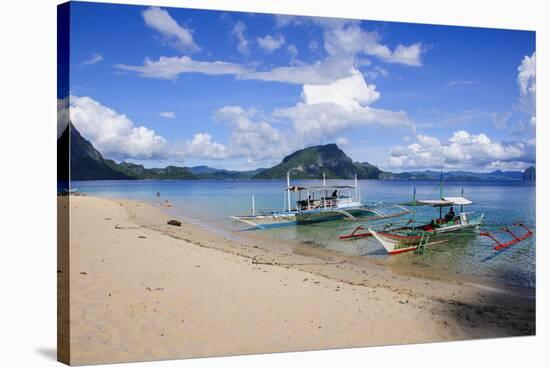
{"type": "Point", "coordinates": [314, 204]}
{"type": "Point", "coordinates": [500, 245]}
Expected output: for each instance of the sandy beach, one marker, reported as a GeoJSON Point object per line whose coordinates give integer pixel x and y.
{"type": "Point", "coordinates": [144, 290]}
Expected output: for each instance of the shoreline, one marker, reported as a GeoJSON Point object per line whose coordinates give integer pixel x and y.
{"type": "Point", "coordinates": [251, 236]}
{"type": "Point", "coordinates": [279, 297]}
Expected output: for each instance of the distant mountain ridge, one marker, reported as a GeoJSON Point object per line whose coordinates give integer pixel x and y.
{"type": "Point", "coordinates": [313, 162]}
{"type": "Point", "coordinates": [308, 163]}
{"type": "Point", "coordinates": [86, 163]}
{"type": "Point", "coordinates": [139, 172]}
{"type": "Point", "coordinates": [497, 175]}
{"type": "Point", "coordinates": [206, 172]}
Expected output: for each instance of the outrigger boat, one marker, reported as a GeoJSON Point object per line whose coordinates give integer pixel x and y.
{"type": "Point", "coordinates": [409, 235]}
{"type": "Point", "coordinates": [316, 204]}
{"type": "Point", "coordinates": [419, 236]}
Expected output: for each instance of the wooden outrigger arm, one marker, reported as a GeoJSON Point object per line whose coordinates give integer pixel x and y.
{"type": "Point", "coordinates": [515, 238]}
{"type": "Point", "coordinates": [354, 234]}
{"type": "Point", "coordinates": [346, 214]}
{"type": "Point", "coordinates": [357, 232]}
{"type": "Point", "coordinates": [379, 214]}
{"type": "Point", "coordinates": [361, 231]}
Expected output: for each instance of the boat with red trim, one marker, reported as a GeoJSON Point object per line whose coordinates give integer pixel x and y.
{"type": "Point", "coordinates": [409, 235]}
{"type": "Point", "coordinates": [419, 236]}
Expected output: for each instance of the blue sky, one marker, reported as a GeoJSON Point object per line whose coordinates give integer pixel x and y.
{"type": "Point", "coordinates": [163, 86]}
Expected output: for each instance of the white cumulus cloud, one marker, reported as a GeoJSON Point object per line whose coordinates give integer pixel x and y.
{"type": "Point", "coordinates": [350, 92]}
{"type": "Point", "coordinates": [114, 134]}
{"type": "Point", "coordinates": [462, 150]}
{"type": "Point", "coordinates": [342, 141]}
{"type": "Point", "coordinates": [351, 39]}
{"type": "Point", "coordinates": [376, 72]}
{"type": "Point", "coordinates": [242, 41]}
{"type": "Point", "coordinates": [202, 146]}
{"type": "Point", "coordinates": [527, 83]}
{"type": "Point", "coordinates": [347, 37]}
{"type": "Point", "coordinates": [320, 72]}
{"type": "Point", "coordinates": [251, 137]}
{"type": "Point", "coordinates": [271, 43]}
{"type": "Point", "coordinates": [326, 110]}
{"type": "Point", "coordinates": [293, 51]}
{"type": "Point", "coordinates": [175, 34]}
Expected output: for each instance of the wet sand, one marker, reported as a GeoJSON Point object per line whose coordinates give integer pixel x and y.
{"type": "Point", "coordinates": [144, 290]}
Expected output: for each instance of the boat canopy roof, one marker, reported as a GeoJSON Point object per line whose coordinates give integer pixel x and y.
{"type": "Point", "coordinates": [446, 201]}
{"type": "Point", "coordinates": [319, 188]}
{"type": "Point", "coordinates": [458, 200]}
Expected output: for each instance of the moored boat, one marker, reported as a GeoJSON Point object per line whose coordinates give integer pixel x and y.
{"type": "Point", "coordinates": [419, 236]}
{"type": "Point", "coordinates": [409, 235]}
{"type": "Point", "coordinates": [315, 204]}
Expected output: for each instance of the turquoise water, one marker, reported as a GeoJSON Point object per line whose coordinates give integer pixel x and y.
{"type": "Point", "coordinates": [210, 203]}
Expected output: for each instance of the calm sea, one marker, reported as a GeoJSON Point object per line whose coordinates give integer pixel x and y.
{"type": "Point", "coordinates": [210, 203]}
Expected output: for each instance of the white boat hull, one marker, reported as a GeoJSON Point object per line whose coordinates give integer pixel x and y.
{"type": "Point", "coordinates": [396, 243]}
{"type": "Point", "coordinates": [307, 216]}
{"type": "Point", "coordinates": [321, 215]}
{"type": "Point", "coordinates": [268, 221]}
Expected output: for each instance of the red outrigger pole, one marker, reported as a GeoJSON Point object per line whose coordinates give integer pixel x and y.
{"type": "Point", "coordinates": [515, 238]}
{"type": "Point", "coordinates": [354, 234]}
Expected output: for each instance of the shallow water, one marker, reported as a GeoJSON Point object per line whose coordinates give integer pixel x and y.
{"type": "Point", "coordinates": [210, 203]}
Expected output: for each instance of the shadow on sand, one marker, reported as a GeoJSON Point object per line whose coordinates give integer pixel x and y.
{"type": "Point", "coordinates": [494, 314]}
